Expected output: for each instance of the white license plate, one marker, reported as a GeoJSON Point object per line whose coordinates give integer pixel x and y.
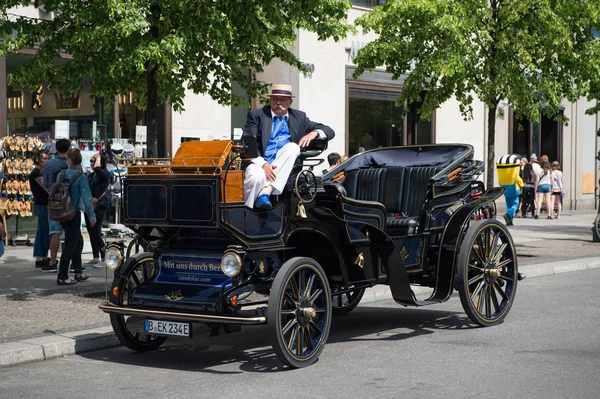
{"type": "Point", "coordinates": [170, 328]}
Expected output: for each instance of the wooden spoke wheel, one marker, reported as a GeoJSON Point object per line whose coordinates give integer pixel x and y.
{"type": "Point", "coordinates": [487, 272]}
{"type": "Point", "coordinates": [345, 302]}
{"type": "Point", "coordinates": [299, 314]}
{"type": "Point", "coordinates": [130, 329]}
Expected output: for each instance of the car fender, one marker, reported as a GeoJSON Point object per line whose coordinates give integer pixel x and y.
{"type": "Point", "coordinates": [451, 240]}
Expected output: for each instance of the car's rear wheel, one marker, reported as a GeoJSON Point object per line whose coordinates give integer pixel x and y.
{"type": "Point", "coordinates": [136, 246]}
{"type": "Point", "coordinates": [130, 329]}
{"type": "Point", "coordinates": [487, 272]}
{"type": "Point", "coordinates": [299, 314]}
{"type": "Point", "coordinates": [345, 301]}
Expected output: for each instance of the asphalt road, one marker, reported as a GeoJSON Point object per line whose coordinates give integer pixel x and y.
{"type": "Point", "coordinates": [549, 347]}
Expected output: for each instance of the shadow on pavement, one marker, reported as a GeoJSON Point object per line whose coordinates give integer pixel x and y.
{"type": "Point", "coordinates": [252, 347]}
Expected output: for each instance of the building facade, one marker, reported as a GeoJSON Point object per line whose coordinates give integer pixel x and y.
{"type": "Point", "coordinates": [362, 111]}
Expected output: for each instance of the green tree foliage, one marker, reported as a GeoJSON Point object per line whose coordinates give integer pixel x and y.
{"type": "Point", "coordinates": [531, 53]}
{"type": "Point", "coordinates": [157, 49]}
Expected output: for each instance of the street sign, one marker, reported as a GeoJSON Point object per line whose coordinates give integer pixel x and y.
{"type": "Point", "coordinates": [61, 129]}
{"type": "Point", "coordinates": [141, 134]}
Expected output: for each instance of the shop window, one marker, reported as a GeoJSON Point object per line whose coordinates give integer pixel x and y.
{"type": "Point", "coordinates": [374, 120]}
{"type": "Point", "coordinates": [541, 137]}
{"type": "Point", "coordinates": [35, 111]}
{"type": "Point", "coordinates": [239, 115]}
{"type": "Point", "coordinates": [419, 131]}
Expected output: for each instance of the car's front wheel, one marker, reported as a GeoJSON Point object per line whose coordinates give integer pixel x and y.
{"type": "Point", "coordinates": [130, 329]}
{"type": "Point", "coordinates": [299, 314]}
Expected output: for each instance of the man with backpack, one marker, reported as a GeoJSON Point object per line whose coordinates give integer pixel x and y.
{"type": "Point", "coordinates": [70, 195]}
{"type": "Point", "coordinates": [51, 171]}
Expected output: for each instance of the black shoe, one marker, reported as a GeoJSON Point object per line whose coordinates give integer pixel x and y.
{"type": "Point", "coordinates": [73, 270]}
{"type": "Point", "coordinates": [536, 217]}
{"type": "Point", "coordinates": [521, 276]}
{"type": "Point", "coordinates": [508, 220]}
{"type": "Point", "coordinates": [50, 268]}
{"type": "Point", "coordinates": [41, 263]}
{"type": "Point", "coordinates": [81, 277]}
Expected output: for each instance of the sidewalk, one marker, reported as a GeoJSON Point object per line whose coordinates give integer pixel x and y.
{"type": "Point", "coordinates": [42, 321]}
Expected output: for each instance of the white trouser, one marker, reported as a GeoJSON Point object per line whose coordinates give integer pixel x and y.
{"type": "Point", "coordinates": [255, 178]}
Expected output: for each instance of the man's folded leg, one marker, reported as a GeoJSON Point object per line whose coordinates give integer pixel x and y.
{"type": "Point", "coordinates": [254, 181]}
{"type": "Point", "coordinates": [285, 160]}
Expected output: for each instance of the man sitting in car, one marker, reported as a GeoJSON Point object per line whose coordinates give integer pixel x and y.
{"type": "Point", "coordinates": [280, 132]}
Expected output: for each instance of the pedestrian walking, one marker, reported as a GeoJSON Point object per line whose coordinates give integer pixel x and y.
{"type": "Point", "coordinates": [508, 167]}
{"type": "Point", "coordinates": [520, 209]}
{"type": "Point", "coordinates": [530, 180]}
{"type": "Point", "coordinates": [51, 171]}
{"type": "Point", "coordinates": [98, 182]}
{"type": "Point", "coordinates": [558, 192]}
{"type": "Point", "coordinates": [41, 243]}
{"type": "Point", "coordinates": [544, 190]}
{"type": "Point", "coordinates": [82, 198]}
{"type": "Point", "coordinates": [536, 166]}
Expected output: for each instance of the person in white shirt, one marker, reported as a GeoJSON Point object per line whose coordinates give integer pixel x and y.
{"type": "Point", "coordinates": [536, 166]}
{"type": "Point", "coordinates": [544, 190]}
{"type": "Point", "coordinates": [557, 189]}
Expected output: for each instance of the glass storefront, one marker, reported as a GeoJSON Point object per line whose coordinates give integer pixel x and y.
{"type": "Point", "coordinates": [541, 137]}
{"type": "Point", "coordinates": [374, 120]}
{"type": "Point", "coordinates": [48, 115]}
{"type": "Point", "coordinates": [373, 124]}
{"type": "Point", "coordinates": [35, 111]}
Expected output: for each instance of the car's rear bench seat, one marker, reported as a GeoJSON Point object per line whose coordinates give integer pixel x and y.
{"type": "Point", "coordinates": [402, 190]}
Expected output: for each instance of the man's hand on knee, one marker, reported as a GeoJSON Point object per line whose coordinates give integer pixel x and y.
{"type": "Point", "coordinates": [270, 171]}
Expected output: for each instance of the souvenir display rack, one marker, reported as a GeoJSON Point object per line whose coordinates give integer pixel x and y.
{"type": "Point", "coordinates": [16, 167]}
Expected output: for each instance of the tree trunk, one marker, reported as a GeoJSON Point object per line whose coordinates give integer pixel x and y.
{"type": "Point", "coordinates": [152, 111]}
{"type": "Point", "coordinates": [491, 157]}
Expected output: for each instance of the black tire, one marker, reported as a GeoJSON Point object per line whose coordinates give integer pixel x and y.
{"type": "Point", "coordinates": [346, 302]}
{"type": "Point", "coordinates": [299, 314]}
{"type": "Point", "coordinates": [487, 272]}
{"type": "Point", "coordinates": [596, 229]}
{"type": "Point", "coordinates": [127, 328]}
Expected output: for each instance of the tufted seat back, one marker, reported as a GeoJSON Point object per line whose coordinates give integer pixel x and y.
{"type": "Point", "coordinates": [366, 184]}
{"type": "Point", "coordinates": [394, 190]}
{"type": "Point", "coordinates": [415, 189]}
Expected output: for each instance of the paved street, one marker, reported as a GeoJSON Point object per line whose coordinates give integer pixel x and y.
{"type": "Point", "coordinates": [549, 347]}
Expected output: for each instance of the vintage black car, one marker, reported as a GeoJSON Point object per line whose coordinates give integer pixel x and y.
{"type": "Point", "coordinates": [395, 216]}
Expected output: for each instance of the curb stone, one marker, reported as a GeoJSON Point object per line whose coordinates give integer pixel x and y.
{"type": "Point", "coordinates": [72, 343]}
{"type": "Point", "coordinates": [45, 348]}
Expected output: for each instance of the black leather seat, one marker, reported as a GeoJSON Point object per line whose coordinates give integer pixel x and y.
{"type": "Point", "coordinates": [402, 190]}
{"type": "Point", "coordinates": [366, 184]}
{"type": "Point", "coordinates": [416, 182]}
{"type": "Point", "coordinates": [406, 191]}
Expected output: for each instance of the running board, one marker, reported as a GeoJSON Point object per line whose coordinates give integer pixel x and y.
{"type": "Point", "coordinates": [176, 316]}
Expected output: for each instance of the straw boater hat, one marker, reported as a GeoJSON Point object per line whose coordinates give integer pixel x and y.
{"type": "Point", "coordinates": [281, 90]}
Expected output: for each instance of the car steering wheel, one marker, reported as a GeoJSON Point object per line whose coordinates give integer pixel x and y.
{"type": "Point", "coordinates": [306, 186]}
